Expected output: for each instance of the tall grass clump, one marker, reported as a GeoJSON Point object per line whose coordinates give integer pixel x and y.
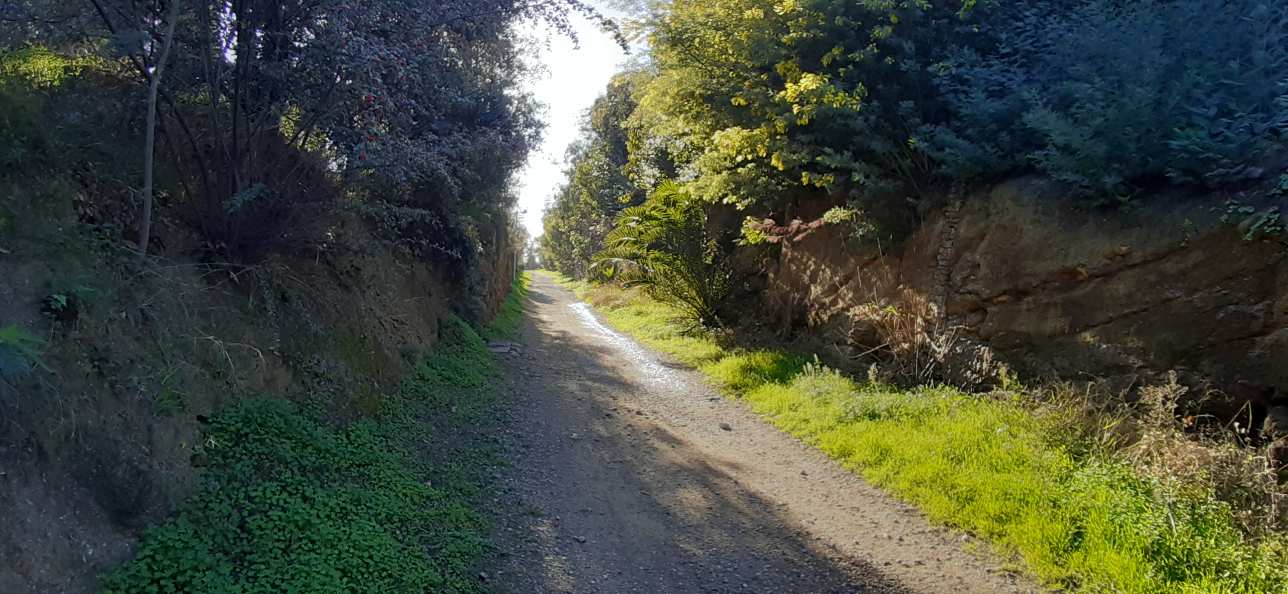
{"type": "Point", "coordinates": [1035, 475]}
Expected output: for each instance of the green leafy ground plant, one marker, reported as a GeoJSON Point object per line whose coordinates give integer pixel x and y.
{"type": "Point", "coordinates": [998, 466]}
{"type": "Point", "coordinates": [290, 503]}
{"type": "Point", "coordinates": [19, 351]}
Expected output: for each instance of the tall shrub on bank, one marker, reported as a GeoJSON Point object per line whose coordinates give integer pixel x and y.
{"type": "Point", "coordinates": [664, 246]}
{"type": "Point", "coordinates": [270, 112]}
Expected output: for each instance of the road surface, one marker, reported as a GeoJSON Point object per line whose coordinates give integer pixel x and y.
{"type": "Point", "coordinates": [630, 475]}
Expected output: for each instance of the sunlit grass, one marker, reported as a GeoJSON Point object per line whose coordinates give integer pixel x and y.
{"type": "Point", "coordinates": [993, 465]}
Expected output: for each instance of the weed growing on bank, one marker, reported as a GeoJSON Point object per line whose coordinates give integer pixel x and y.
{"type": "Point", "coordinates": [391, 504]}
{"type": "Point", "coordinates": [461, 362]}
{"type": "Point", "coordinates": [510, 319]}
{"type": "Point", "coordinates": [1004, 466]}
{"type": "Point", "coordinates": [288, 504]}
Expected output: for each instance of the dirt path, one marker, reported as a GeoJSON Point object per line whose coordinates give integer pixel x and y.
{"type": "Point", "coordinates": [631, 475]}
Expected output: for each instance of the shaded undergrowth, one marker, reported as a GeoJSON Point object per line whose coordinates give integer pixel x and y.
{"type": "Point", "coordinates": [289, 502]}
{"type": "Point", "coordinates": [509, 319]}
{"type": "Point", "coordinates": [1003, 466]}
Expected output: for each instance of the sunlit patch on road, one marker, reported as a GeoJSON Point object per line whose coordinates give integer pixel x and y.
{"type": "Point", "coordinates": [651, 371]}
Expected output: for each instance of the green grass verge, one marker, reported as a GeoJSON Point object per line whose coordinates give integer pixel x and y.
{"type": "Point", "coordinates": [289, 503]}
{"type": "Point", "coordinates": [509, 319]}
{"type": "Point", "coordinates": [995, 466]}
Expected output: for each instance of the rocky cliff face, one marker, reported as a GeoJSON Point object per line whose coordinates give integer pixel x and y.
{"type": "Point", "coordinates": [1068, 292]}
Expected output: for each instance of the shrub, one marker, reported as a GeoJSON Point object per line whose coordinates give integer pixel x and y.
{"type": "Point", "coordinates": [295, 212]}
{"type": "Point", "coordinates": [909, 331]}
{"type": "Point", "coordinates": [664, 245]}
{"type": "Point", "coordinates": [1208, 464]}
{"type": "Point", "coordinates": [1106, 95]}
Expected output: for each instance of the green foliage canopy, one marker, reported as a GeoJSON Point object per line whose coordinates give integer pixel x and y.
{"type": "Point", "coordinates": [772, 100]}
{"type": "Point", "coordinates": [881, 100]}
{"type": "Point", "coordinates": [1110, 97]}
{"type": "Point", "coordinates": [890, 104]}
{"type": "Point", "coordinates": [271, 110]}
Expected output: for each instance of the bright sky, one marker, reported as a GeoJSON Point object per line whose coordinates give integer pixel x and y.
{"type": "Point", "coordinates": [574, 76]}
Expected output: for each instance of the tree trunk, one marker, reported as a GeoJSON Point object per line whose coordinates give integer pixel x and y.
{"type": "Point", "coordinates": [150, 131]}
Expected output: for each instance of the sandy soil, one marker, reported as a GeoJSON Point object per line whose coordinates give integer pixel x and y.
{"type": "Point", "coordinates": [630, 474]}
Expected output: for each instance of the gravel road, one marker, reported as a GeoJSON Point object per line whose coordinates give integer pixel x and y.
{"type": "Point", "coordinates": [628, 474]}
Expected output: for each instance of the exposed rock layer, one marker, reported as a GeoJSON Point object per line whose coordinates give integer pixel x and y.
{"type": "Point", "coordinates": [1060, 290]}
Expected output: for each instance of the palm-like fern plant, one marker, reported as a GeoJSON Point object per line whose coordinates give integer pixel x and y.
{"type": "Point", "coordinates": [664, 246]}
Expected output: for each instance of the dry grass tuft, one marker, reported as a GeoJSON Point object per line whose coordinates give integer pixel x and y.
{"type": "Point", "coordinates": [611, 296]}
{"type": "Point", "coordinates": [911, 344]}
{"type": "Point", "coordinates": [1211, 463]}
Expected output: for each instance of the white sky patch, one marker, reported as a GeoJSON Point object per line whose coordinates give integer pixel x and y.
{"type": "Point", "coordinates": [575, 75]}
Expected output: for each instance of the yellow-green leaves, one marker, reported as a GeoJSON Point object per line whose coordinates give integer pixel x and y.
{"type": "Point", "coordinates": [816, 179]}
{"type": "Point", "coordinates": [741, 144]}
{"type": "Point", "coordinates": [812, 92]}
{"type": "Point", "coordinates": [42, 68]}
{"type": "Point", "coordinates": [787, 7]}
{"type": "Point", "coordinates": [777, 161]}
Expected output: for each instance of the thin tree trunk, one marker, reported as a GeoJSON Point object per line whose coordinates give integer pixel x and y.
{"type": "Point", "coordinates": [150, 132]}
{"type": "Point", "coordinates": [166, 98]}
